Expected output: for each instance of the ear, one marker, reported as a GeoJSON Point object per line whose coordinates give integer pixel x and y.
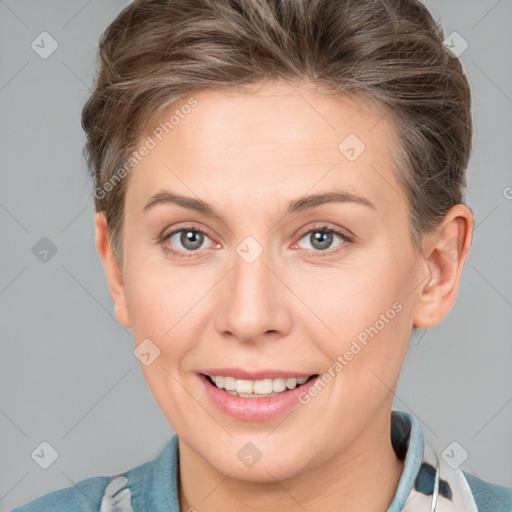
{"type": "Point", "coordinates": [444, 255]}
{"type": "Point", "coordinates": [113, 271]}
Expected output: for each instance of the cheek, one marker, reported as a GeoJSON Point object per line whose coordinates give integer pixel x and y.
{"type": "Point", "coordinates": [161, 311]}
{"type": "Point", "coordinates": [364, 317]}
{"type": "Point", "coordinates": [156, 302]}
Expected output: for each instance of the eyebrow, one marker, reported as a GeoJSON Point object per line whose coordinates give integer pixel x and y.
{"type": "Point", "coordinates": [298, 205]}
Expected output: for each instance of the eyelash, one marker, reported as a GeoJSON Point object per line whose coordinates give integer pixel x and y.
{"type": "Point", "coordinates": [198, 229]}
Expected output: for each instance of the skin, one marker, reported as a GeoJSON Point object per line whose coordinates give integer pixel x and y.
{"type": "Point", "coordinates": [248, 155]}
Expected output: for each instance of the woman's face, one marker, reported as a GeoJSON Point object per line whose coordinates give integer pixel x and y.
{"type": "Point", "coordinates": [270, 288]}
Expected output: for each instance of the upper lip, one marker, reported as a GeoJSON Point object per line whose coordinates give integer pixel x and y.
{"type": "Point", "coordinates": [239, 373]}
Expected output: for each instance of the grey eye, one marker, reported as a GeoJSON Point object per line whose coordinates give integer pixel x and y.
{"type": "Point", "coordinates": [190, 239]}
{"type": "Point", "coordinates": [321, 239]}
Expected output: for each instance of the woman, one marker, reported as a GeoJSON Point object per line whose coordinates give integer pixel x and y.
{"type": "Point", "coordinates": [278, 188]}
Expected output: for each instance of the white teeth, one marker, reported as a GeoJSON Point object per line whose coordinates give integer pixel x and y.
{"type": "Point", "coordinates": [229, 384]}
{"type": "Point", "coordinates": [256, 387]}
{"type": "Point", "coordinates": [243, 386]}
{"type": "Point", "coordinates": [277, 385]}
{"type": "Point", "coordinates": [259, 387]}
{"type": "Point", "coordinates": [291, 383]}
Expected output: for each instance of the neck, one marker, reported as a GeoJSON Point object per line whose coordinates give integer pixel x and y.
{"type": "Point", "coordinates": [364, 476]}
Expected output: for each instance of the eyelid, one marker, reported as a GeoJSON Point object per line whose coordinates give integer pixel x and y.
{"type": "Point", "coordinates": [326, 226]}
{"type": "Point", "coordinates": [190, 226]}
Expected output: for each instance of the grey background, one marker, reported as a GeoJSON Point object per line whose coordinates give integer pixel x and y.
{"type": "Point", "coordinates": [68, 375]}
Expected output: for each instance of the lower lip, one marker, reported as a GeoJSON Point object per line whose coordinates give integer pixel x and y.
{"type": "Point", "coordinates": [255, 409]}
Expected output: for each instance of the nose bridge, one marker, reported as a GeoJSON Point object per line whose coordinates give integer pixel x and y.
{"type": "Point", "coordinates": [253, 304]}
{"type": "Point", "coordinates": [251, 279]}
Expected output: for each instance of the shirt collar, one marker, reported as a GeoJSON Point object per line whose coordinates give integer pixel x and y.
{"type": "Point", "coordinates": [427, 483]}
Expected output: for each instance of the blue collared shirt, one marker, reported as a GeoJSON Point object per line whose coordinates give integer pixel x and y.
{"type": "Point", "coordinates": [429, 483]}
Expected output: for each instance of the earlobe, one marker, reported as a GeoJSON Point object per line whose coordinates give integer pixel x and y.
{"type": "Point", "coordinates": [445, 253]}
{"type": "Point", "coordinates": [113, 271]}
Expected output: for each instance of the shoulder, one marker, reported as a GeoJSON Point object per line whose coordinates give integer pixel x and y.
{"type": "Point", "coordinates": [135, 489]}
{"type": "Point", "coordinates": [95, 494]}
{"type": "Point", "coordinates": [489, 497]}
{"type": "Point", "coordinates": [84, 496]}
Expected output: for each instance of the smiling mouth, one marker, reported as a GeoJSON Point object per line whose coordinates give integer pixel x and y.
{"type": "Point", "coordinates": [256, 389]}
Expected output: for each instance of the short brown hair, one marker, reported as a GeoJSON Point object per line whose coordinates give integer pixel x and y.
{"type": "Point", "coordinates": [389, 53]}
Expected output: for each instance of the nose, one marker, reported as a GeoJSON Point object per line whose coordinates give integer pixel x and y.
{"type": "Point", "coordinates": [254, 303]}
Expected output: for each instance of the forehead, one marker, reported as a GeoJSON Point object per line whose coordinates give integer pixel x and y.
{"type": "Point", "coordinates": [259, 141]}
